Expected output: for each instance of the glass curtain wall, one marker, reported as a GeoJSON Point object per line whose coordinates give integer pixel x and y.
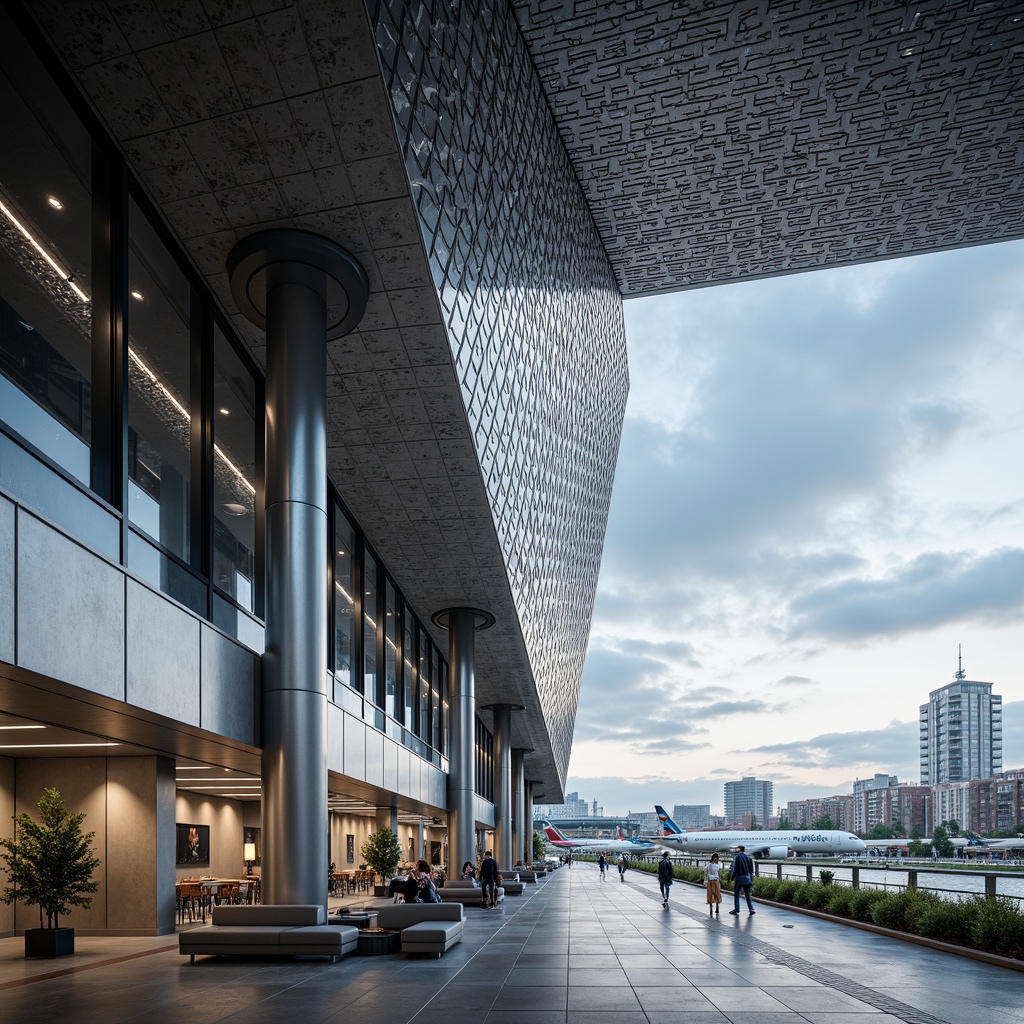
{"type": "Point", "coordinates": [390, 648]}
{"type": "Point", "coordinates": [370, 617]}
{"type": "Point", "coordinates": [234, 474]}
{"type": "Point", "coordinates": [344, 599]}
{"type": "Point", "coordinates": [46, 209]}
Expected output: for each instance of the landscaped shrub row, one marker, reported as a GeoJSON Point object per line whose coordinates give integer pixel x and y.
{"type": "Point", "coordinates": [996, 926]}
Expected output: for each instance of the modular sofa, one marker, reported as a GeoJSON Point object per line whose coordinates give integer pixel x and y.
{"type": "Point", "coordinates": [462, 890]}
{"type": "Point", "coordinates": [269, 930]}
{"type": "Point", "coordinates": [425, 927]}
{"type": "Point", "coordinates": [525, 874]}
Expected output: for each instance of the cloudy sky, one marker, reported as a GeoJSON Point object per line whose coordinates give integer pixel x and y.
{"type": "Point", "coordinates": [819, 496]}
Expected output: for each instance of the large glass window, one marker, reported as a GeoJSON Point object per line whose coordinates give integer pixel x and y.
{"type": "Point", "coordinates": [344, 599]}
{"type": "Point", "coordinates": [234, 474]}
{"type": "Point", "coordinates": [370, 627]}
{"type": "Point", "coordinates": [423, 689]}
{"type": "Point", "coordinates": [45, 262]}
{"type": "Point", "coordinates": [435, 699]}
{"type": "Point", "coordinates": [390, 647]}
{"type": "Point", "coordinates": [408, 673]}
{"type": "Point", "coordinates": [159, 389]}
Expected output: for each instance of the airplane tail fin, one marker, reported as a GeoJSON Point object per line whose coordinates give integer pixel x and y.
{"type": "Point", "coordinates": [974, 840]}
{"type": "Point", "coordinates": [668, 826]}
{"type": "Point", "coordinates": [553, 833]}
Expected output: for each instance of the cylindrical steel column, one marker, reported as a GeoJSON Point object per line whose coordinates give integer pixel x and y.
{"type": "Point", "coordinates": [503, 785]}
{"type": "Point", "coordinates": [462, 624]}
{"type": "Point", "coordinates": [518, 803]}
{"type": "Point", "coordinates": [280, 280]}
{"type": "Point", "coordinates": [528, 820]}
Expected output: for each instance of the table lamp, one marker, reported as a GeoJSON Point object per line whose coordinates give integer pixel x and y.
{"type": "Point", "coordinates": [248, 855]}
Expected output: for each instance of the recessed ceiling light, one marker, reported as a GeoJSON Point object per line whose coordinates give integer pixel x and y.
{"type": "Point", "coordinates": [55, 202]}
{"type": "Point", "coordinates": [22, 727]}
{"type": "Point", "coordinates": [224, 412]}
{"type": "Point", "coordinates": [137, 295]}
{"type": "Point", "coordinates": [233, 508]}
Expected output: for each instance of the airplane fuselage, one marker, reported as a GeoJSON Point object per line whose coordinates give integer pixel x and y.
{"type": "Point", "coordinates": [821, 841]}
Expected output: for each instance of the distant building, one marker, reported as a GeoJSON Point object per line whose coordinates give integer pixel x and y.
{"type": "Point", "coordinates": [996, 803]}
{"type": "Point", "coordinates": [951, 801]}
{"type": "Point", "coordinates": [838, 808]}
{"type": "Point", "coordinates": [692, 815]}
{"type": "Point", "coordinates": [869, 807]}
{"type": "Point", "coordinates": [573, 807]}
{"type": "Point", "coordinates": [646, 822]}
{"type": "Point", "coordinates": [749, 796]}
{"type": "Point", "coordinates": [961, 734]}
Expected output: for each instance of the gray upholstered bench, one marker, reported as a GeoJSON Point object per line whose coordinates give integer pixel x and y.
{"type": "Point", "coordinates": [269, 930]}
{"type": "Point", "coordinates": [462, 890]}
{"type": "Point", "coordinates": [425, 927]}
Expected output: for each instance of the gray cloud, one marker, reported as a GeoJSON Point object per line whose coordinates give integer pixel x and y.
{"type": "Point", "coordinates": [932, 590]}
{"type": "Point", "coordinates": [794, 681]}
{"type": "Point", "coordinates": [892, 749]}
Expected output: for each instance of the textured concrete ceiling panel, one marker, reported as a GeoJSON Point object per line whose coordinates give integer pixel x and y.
{"type": "Point", "coordinates": [723, 141]}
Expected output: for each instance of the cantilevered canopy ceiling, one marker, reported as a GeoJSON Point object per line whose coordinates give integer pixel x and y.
{"type": "Point", "coordinates": [723, 141]}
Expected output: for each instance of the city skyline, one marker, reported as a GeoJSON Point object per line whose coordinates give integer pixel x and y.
{"type": "Point", "coordinates": [811, 511]}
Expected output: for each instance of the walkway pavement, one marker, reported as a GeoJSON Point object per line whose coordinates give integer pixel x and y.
{"type": "Point", "coordinates": [574, 950]}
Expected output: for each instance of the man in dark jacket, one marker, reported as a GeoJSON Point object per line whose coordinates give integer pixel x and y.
{"type": "Point", "coordinates": [665, 877]}
{"type": "Point", "coordinates": [489, 880]}
{"type": "Point", "coordinates": [742, 874]}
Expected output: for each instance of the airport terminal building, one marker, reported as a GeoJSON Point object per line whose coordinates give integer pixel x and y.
{"type": "Point", "coordinates": [313, 372]}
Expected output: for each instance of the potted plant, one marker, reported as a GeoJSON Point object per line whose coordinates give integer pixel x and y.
{"type": "Point", "coordinates": [49, 864]}
{"type": "Point", "coordinates": [382, 851]}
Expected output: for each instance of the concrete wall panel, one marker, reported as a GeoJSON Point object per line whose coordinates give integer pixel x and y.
{"type": "Point", "coordinates": [6, 813]}
{"type": "Point", "coordinates": [70, 611]}
{"type": "Point", "coordinates": [162, 656]}
{"type": "Point", "coordinates": [391, 765]}
{"type": "Point", "coordinates": [230, 678]}
{"type": "Point", "coordinates": [6, 581]}
{"type": "Point", "coordinates": [374, 757]}
{"type": "Point", "coordinates": [335, 739]}
{"type": "Point", "coordinates": [355, 748]}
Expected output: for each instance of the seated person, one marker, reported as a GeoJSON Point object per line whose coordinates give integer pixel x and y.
{"type": "Point", "coordinates": [427, 893]}
{"type": "Point", "coordinates": [469, 872]}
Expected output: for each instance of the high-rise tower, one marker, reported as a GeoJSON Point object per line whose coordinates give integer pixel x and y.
{"type": "Point", "coordinates": [961, 731]}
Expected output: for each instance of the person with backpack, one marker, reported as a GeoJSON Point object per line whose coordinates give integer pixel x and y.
{"type": "Point", "coordinates": [489, 880]}
{"type": "Point", "coordinates": [665, 877]}
{"type": "Point", "coordinates": [602, 864]}
{"type": "Point", "coordinates": [742, 874]}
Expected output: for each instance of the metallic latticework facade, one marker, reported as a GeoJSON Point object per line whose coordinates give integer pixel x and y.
{"type": "Point", "coordinates": [533, 313]}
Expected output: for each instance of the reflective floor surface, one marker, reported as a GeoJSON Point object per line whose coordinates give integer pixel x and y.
{"type": "Point", "coordinates": [573, 950]}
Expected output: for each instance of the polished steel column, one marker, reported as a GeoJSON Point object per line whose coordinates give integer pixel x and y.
{"type": "Point", "coordinates": [283, 281]}
{"type": "Point", "coordinates": [518, 802]}
{"type": "Point", "coordinates": [462, 624]}
{"type": "Point", "coordinates": [503, 784]}
{"type": "Point", "coordinates": [528, 821]}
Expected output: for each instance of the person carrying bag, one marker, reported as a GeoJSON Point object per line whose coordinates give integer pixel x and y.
{"type": "Point", "coordinates": [742, 879]}
{"type": "Point", "coordinates": [713, 882]}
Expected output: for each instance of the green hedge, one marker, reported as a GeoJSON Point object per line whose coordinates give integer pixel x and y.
{"type": "Point", "coordinates": [996, 926]}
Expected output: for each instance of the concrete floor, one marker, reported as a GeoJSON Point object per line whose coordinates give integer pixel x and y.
{"type": "Point", "coordinates": [573, 950]}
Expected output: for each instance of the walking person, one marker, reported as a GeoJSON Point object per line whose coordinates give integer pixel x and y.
{"type": "Point", "coordinates": [622, 867]}
{"type": "Point", "coordinates": [602, 865]}
{"type": "Point", "coordinates": [489, 880]}
{"type": "Point", "coordinates": [665, 877]}
{"type": "Point", "coordinates": [742, 873]}
{"type": "Point", "coordinates": [713, 881]}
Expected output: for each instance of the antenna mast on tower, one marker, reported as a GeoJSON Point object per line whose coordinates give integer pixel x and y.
{"type": "Point", "coordinates": [960, 673]}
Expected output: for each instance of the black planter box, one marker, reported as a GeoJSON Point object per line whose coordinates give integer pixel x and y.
{"type": "Point", "coordinates": [49, 942]}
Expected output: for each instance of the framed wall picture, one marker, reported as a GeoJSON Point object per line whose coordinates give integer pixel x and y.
{"type": "Point", "coordinates": [193, 845]}
{"type": "Point", "coordinates": [350, 849]}
{"type": "Point", "coordinates": [252, 835]}
{"type": "Point", "coordinates": [435, 852]}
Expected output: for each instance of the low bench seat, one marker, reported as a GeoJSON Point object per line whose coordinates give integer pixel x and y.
{"type": "Point", "coordinates": [425, 927]}
{"type": "Point", "coordinates": [462, 890]}
{"type": "Point", "coordinates": [269, 930]}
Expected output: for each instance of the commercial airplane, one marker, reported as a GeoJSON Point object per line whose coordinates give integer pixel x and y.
{"type": "Point", "coordinates": [758, 844]}
{"type": "Point", "coordinates": [620, 845]}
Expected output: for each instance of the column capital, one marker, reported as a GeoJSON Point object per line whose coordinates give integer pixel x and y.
{"type": "Point", "coordinates": [304, 258]}
{"type": "Point", "coordinates": [481, 619]}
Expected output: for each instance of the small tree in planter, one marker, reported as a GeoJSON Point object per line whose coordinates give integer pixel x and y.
{"type": "Point", "coordinates": [49, 864]}
{"type": "Point", "coordinates": [382, 851]}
